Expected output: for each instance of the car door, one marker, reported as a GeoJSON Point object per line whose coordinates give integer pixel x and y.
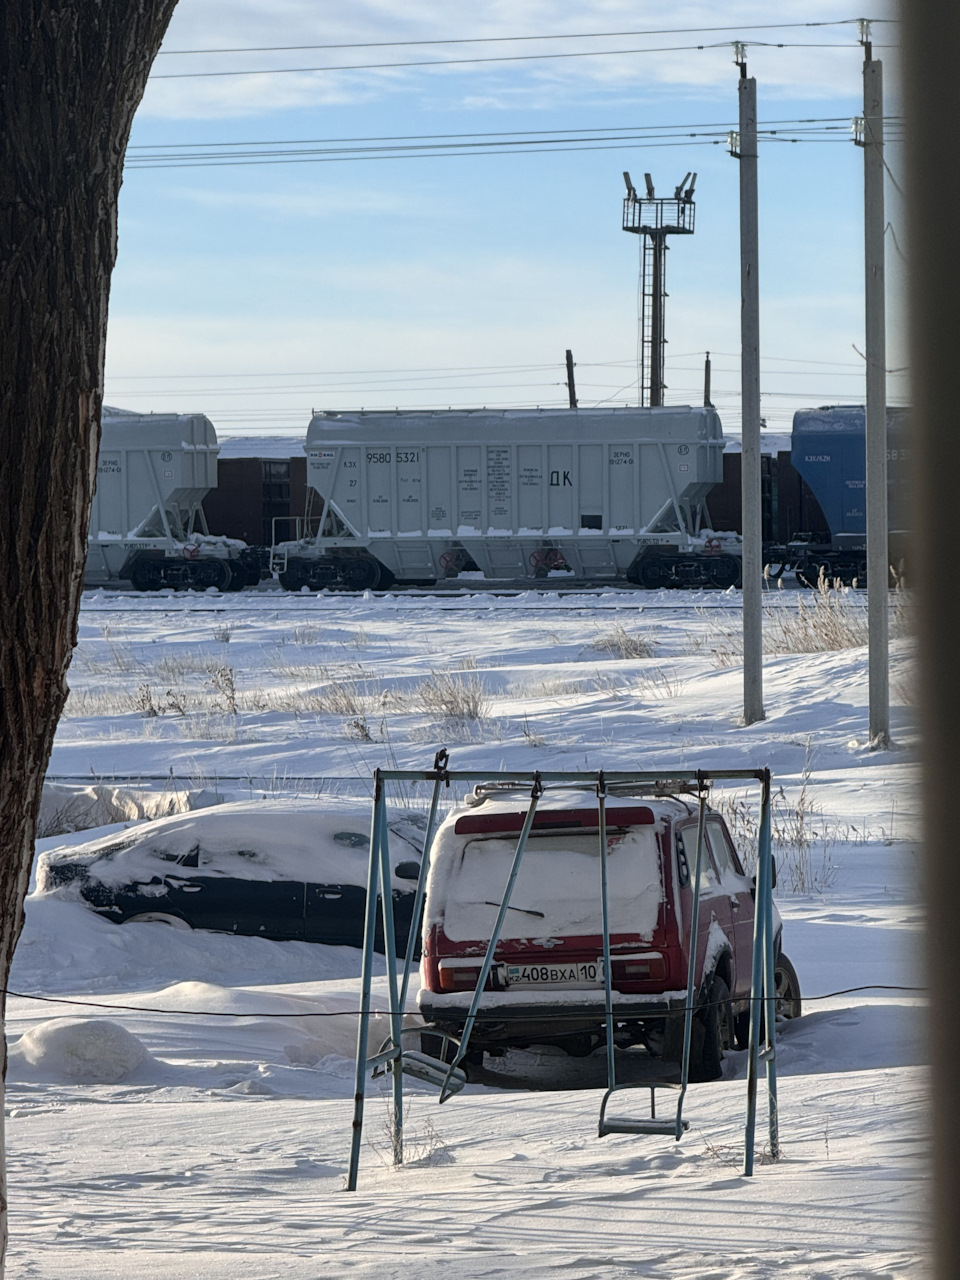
{"type": "Point", "coordinates": [231, 893]}
{"type": "Point", "coordinates": [715, 909]}
{"type": "Point", "coordinates": [335, 894]}
{"type": "Point", "coordinates": [336, 909]}
{"type": "Point", "coordinates": [335, 914]}
{"type": "Point", "coordinates": [737, 887]}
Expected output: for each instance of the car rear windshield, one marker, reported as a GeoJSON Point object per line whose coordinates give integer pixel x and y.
{"type": "Point", "coordinates": [557, 892]}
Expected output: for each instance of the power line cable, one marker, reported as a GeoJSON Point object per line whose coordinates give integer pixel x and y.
{"type": "Point", "coordinates": [505, 133]}
{"type": "Point", "coordinates": [578, 35]}
{"type": "Point", "coordinates": [504, 58]}
{"type": "Point", "coordinates": [288, 157]}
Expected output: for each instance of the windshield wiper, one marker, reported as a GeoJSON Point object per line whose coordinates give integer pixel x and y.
{"type": "Point", "coordinates": [523, 910]}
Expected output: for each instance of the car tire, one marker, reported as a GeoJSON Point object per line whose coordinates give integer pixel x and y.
{"type": "Point", "coordinates": [786, 985]}
{"type": "Point", "coordinates": [435, 1046]}
{"type": "Point", "coordinates": [159, 917]}
{"type": "Point", "coordinates": [712, 1033]}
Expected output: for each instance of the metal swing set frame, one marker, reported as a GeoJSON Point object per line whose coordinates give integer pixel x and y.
{"type": "Point", "coordinates": [450, 1077]}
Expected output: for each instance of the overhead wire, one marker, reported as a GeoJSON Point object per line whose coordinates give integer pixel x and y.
{"type": "Point", "coordinates": [502, 58]}
{"type": "Point", "coordinates": [570, 35]}
{"type": "Point", "coordinates": [216, 155]}
{"type": "Point", "coordinates": [506, 133]}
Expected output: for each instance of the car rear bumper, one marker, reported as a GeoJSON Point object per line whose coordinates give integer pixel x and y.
{"type": "Point", "coordinates": [524, 1017]}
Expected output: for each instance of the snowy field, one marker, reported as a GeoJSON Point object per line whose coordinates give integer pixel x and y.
{"type": "Point", "coordinates": [212, 1142]}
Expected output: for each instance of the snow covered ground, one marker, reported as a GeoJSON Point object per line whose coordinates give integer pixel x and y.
{"type": "Point", "coordinates": [213, 1142]}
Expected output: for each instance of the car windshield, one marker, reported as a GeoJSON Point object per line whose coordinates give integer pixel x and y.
{"type": "Point", "coordinates": [557, 892]}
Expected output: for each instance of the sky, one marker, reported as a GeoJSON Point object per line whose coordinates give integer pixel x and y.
{"type": "Point", "coordinates": [355, 274]}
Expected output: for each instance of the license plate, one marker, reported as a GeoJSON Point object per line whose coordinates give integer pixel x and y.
{"type": "Point", "coordinates": [554, 975]}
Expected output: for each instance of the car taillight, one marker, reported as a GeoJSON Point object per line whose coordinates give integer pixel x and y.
{"type": "Point", "coordinates": [638, 968]}
{"type": "Point", "coordinates": [456, 976]}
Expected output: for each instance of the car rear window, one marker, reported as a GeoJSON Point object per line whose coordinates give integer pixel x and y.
{"type": "Point", "coordinates": [557, 892]}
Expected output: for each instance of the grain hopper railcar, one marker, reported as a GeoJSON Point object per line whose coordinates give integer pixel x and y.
{"type": "Point", "coordinates": [147, 525]}
{"type": "Point", "coordinates": [828, 451]}
{"type": "Point", "coordinates": [600, 494]}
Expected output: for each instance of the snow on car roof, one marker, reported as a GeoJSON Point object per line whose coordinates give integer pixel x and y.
{"type": "Point", "coordinates": [319, 841]}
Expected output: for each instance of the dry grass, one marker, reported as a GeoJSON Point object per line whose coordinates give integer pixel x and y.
{"type": "Point", "coordinates": [802, 841]}
{"type": "Point", "coordinates": [831, 618]}
{"type": "Point", "coordinates": [659, 684]}
{"type": "Point", "coordinates": [307, 633]}
{"type": "Point", "coordinates": [459, 698]}
{"type": "Point", "coordinates": [621, 644]}
{"type": "Point", "coordinates": [172, 669]}
{"type": "Point", "coordinates": [530, 735]}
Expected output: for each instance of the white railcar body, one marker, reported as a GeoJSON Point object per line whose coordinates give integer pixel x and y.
{"type": "Point", "coordinates": [515, 494]}
{"type": "Point", "coordinates": [153, 473]}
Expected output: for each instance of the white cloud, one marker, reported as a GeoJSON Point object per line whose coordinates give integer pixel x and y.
{"type": "Point", "coordinates": [219, 24]}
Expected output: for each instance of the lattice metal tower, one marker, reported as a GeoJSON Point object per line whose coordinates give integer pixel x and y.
{"type": "Point", "coordinates": [655, 218]}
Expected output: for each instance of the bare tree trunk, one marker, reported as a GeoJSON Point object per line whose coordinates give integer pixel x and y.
{"type": "Point", "coordinates": [72, 73]}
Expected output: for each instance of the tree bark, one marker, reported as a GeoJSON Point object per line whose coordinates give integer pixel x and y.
{"type": "Point", "coordinates": [72, 73]}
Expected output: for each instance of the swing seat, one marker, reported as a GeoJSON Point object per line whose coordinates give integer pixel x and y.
{"type": "Point", "coordinates": [640, 1124]}
{"type": "Point", "coordinates": [432, 1071]}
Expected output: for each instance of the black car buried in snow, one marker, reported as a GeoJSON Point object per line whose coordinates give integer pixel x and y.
{"type": "Point", "coordinates": [293, 871]}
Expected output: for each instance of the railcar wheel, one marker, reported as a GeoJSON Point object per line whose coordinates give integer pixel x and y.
{"type": "Point", "coordinates": [292, 580]}
{"type": "Point", "coordinates": [361, 574]}
{"type": "Point", "coordinates": [654, 572]}
{"type": "Point", "coordinates": [146, 575]}
{"type": "Point", "coordinates": [725, 572]}
{"type": "Point", "coordinates": [211, 573]}
{"type": "Point", "coordinates": [808, 573]}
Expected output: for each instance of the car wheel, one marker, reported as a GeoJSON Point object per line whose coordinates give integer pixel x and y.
{"type": "Point", "coordinates": [786, 985]}
{"type": "Point", "coordinates": [712, 1033]}
{"type": "Point", "coordinates": [159, 917]}
{"type": "Point", "coordinates": [435, 1046]}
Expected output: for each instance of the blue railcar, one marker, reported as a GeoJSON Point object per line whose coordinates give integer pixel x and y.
{"type": "Point", "coordinates": [828, 451]}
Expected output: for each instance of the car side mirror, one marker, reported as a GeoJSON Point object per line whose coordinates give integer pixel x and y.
{"type": "Point", "coordinates": [773, 878]}
{"type": "Point", "coordinates": [407, 870]}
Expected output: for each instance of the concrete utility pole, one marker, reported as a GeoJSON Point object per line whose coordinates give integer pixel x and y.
{"type": "Point", "coordinates": [744, 149]}
{"type": "Point", "coordinates": [871, 140]}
